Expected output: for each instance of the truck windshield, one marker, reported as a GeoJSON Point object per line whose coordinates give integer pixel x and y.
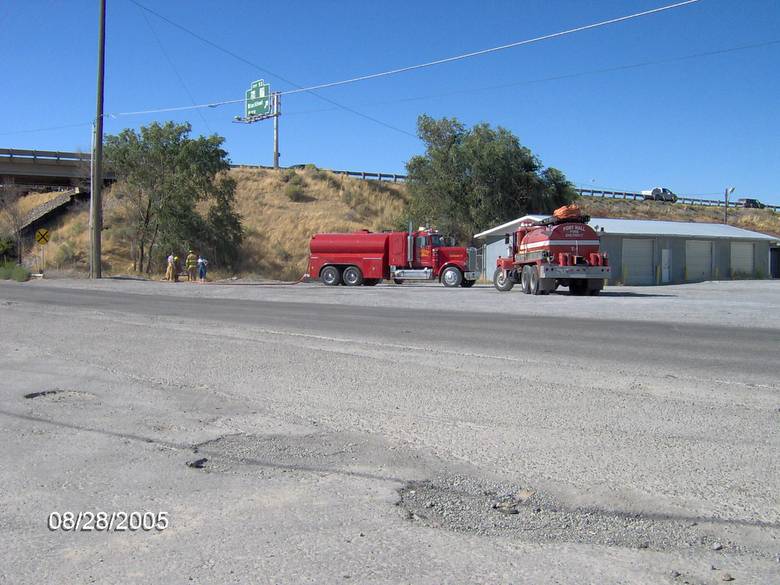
{"type": "Point", "coordinates": [437, 240]}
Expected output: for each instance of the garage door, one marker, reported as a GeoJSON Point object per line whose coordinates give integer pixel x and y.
{"type": "Point", "coordinates": [741, 259]}
{"type": "Point", "coordinates": [698, 260]}
{"type": "Point", "coordinates": [638, 261]}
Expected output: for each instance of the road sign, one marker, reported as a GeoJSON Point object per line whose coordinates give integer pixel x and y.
{"type": "Point", "coordinates": [42, 236]}
{"type": "Point", "coordinates": [258, 99]}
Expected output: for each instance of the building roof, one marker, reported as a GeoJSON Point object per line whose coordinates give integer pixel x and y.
{"type": "Point", "coordinates": [647, 227]}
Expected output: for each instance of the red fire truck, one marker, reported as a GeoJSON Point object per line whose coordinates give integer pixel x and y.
{"type": "Point", "coordinates": [551, 253]}
{"type": "Point", "coordinates": [366, 258]}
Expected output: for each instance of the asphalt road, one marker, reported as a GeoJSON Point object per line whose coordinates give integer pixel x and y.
{"type": "Point", "coordinates": [417, 442]}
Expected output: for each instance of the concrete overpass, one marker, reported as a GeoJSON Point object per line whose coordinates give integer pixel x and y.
{"type": "Point", "coordinates": [45, 168]}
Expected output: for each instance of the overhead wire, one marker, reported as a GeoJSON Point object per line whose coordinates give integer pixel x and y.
{"type": "Point", "coordinates": [46, 129]}
{"type": "Point", "coordinates": [445, 94]}
{"type": "Point", "coordinates": [215, 104]}
{"type": "Point", "coordinates": [560, 77]}
{"type": "Point", "coordinates": [174, 68]}
{"type": "Point", "coordinates": [262, 69]}
{"type": "Point", "coordinates": [396, 71]}
{"type": "Point", "coordinates": [493, 49]}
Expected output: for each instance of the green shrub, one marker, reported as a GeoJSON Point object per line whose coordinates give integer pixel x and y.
{"type": "Point", "coordinates": [13, 271]}
{"type": "Point", "coordinates": [20, 274]}
{"type": "Point", "coordinates": [288, 175]}
{"type": "Point", "coordinates": [294, 192]}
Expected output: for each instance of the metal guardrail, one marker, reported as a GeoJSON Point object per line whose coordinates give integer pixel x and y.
{"type": "Point", "coordinates": [364, 175]}
{"type": "Point", "coordinates": [680, 200]}
{"type": "Point", "coordinates": [44, 155]}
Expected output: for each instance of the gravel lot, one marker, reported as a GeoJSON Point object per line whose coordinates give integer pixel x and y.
{"type": "Point", "coordinates": [302, 434]}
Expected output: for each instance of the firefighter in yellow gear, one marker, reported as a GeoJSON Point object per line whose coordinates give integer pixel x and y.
{"type": "Point", "coordinates": [191, 264]}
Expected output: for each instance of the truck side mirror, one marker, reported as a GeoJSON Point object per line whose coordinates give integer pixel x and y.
{"type": "Point", "coordinates": [506, 239]}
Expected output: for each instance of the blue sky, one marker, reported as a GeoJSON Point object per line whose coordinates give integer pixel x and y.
{"type": "Point", "coordinates": [695, 125]}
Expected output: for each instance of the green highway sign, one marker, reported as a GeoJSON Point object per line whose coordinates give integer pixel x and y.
{"type": "Point", "coordinates": [258, 99]}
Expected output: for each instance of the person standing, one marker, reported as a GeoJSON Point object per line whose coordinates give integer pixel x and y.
{"type": "Point", "coordinates": [202, 264]}
{"type": "Point", "coordinates": [176, 269]}
{"type": "Point", "coordinates": [169, 269]}
{"type": "Point", "coordinates": [191, 264]}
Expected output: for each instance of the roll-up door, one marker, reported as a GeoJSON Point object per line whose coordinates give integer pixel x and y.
{"type": "Point", "coordinates": [741, 259]}
{"type": "Point", "coordinates": [698, 260]}
{"type": "Point", "coordinates": [638, 261]}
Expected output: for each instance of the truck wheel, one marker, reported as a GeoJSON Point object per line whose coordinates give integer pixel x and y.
{"type": "Point", "coordinates": [533, 280]}
{"type": "Point", "coordinates": [594, 292]}
{"type": "Point", "coordinates": [451, 277]}
{"type": "Point", "coordinates": [330, 276]}
{"type": "Point", "coordinates": [398, 280]}
{"type": "Point", "coordinates": [371, 281]}
{"type": "Point", "coordinates": [468, 283]}
{"type": "Point", "coordinates": [578, 288]}
{"type": "Point", "coordinates": [525, 280]}
{"type": "Point", "coordinates": [353, 276]}
{"type": "Point", "coordinates": [502, 281]}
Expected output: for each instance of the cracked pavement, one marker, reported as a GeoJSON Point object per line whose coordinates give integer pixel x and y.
{"type": "Point", "coordinates": [413, 441]}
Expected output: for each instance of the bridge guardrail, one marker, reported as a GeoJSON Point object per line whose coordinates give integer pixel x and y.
{"type": "Point", "coordinates": [47, 155]}
{"type": "Point", "coordinates": [609, 194]}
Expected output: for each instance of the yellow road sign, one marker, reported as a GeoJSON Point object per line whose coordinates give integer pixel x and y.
{"type": "Point", "coordinates": [42, 236]}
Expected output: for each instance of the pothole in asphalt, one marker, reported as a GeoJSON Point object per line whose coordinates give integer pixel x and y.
{"type": "Point", "coordinates": [327, 452]}
{"type": "Point", "coordinates": [463, 504]}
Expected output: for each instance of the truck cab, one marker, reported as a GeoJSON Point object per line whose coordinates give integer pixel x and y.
{"type": "Point", "coordinates": [435, 256]}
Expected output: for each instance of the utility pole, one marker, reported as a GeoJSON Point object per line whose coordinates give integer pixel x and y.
{"type": "Point", "coordinates": [96, 180]}
{"type": "Point", "coordinates": [277, 98]}
{"type": "Point", "coordinates": [729, 191]}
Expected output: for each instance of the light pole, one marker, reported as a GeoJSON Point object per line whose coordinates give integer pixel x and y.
{"type": "Point", "coordinates": [729, 191]}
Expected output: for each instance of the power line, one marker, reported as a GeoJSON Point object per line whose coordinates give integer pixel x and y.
{"type": "Point", "coordinates": [493, 49]}
{"type": "Point", "coordinates": [264, 70]}
{"type": "Point", "coordinates": [310, 89]}
{"type": "Point", "coordinates": [552, 78]}
{"type": "Point", "coordinates": [444, 94]}
{"type": "Point", "coordinates": [47, 129]}
{"type": "Point", "coordinates": [175, 70]}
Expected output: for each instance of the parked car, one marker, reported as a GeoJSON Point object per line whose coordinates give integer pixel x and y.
{"type": "Point", "coordinates": [660, 194]}
{"type": "Point", "coordinates": [751, 204]}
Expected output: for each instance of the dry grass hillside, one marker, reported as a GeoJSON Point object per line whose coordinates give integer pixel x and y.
{"type": "Point", "coordinates": [759, 220]}
{"type": "Point", "coordinates": [282, 209]}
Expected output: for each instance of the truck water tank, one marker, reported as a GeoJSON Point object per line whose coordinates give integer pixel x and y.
{"type": "Point", "coordinates": [362, 242]}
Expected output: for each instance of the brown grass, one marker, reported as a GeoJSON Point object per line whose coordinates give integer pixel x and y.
{"type": "Point", "coordinates": [30, 201]}
{"type": "Point", "coordinates": [278, 229]}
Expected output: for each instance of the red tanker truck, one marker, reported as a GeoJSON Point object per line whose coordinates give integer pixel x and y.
{"type": "Point", "coordinates": [560, 251]}
{"type": "Point", "coordinates": [366, 258]}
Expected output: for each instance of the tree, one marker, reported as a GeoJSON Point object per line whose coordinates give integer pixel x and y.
{"type": "Point", "coordinates": [163, 175]}
{"type": "Point", "coordinates": [471, 179]}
